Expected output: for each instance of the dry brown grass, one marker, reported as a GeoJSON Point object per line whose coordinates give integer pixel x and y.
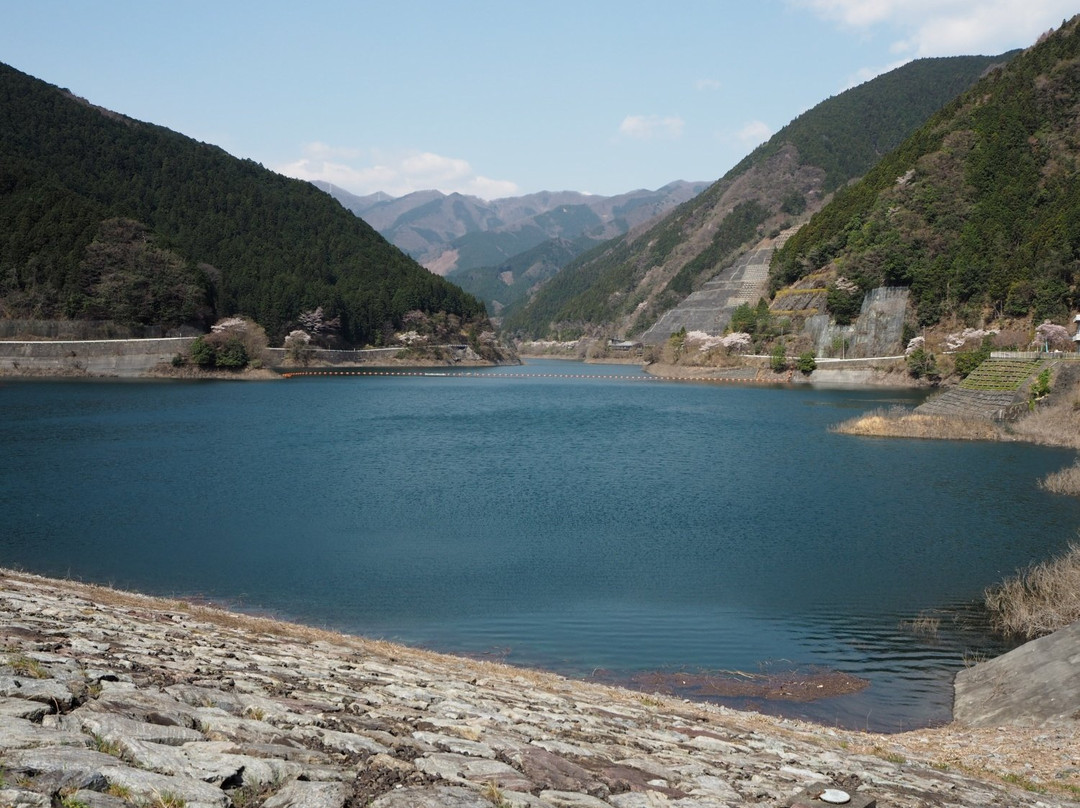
{"type": "Point", "coordinates": [1057, 423]}
{"type": "Point", "coordinates": [1039, 600]}
{"type": "Point", "coordinates": [1066, 481]}
{"type": "Point", "coordinates": [901, 423]}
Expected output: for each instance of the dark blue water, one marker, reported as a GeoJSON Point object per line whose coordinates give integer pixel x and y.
{"type": "Point", "coordinates": [583, 524]}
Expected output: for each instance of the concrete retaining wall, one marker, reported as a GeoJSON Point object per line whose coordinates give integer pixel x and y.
{"type": "Point", "coordinates": [102, 357]}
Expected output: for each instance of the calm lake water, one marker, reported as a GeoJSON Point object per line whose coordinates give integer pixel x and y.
{"type": "Point", "coordinates": [602, 526]}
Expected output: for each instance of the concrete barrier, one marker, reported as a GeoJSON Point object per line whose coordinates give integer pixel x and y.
{"type": "Point", "coordinates": [99, 357]}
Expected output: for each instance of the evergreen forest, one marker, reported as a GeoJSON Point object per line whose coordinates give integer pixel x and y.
{"type": "Point", "coordinates": [107, 218]}
{"type": "Point", "coordinates": [978, 212]}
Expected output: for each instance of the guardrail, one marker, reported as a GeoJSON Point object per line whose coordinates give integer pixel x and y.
{"type": "Point", "coordinates": [1032, 355]}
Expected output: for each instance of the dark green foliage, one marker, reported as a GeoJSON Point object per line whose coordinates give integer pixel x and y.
{"type": "Point", "coordinates": [844, 304]}
{"type": "Point", "coordinates": [220, 351]}
{"type": "Point", "coordinates": [753, 320]}
{"type": "Point", "coordinates": [978, 210]}
{"type": "Point", "coordinates": [1041, 386]}
{"type": "Point", "coordinates": [922, 364]}
{"type": "Point", "coordinates": [778, 358]}
{"type": "Point", "coordinates": [219, 235]}
{"type": "Point", "coordinates": [203, 353]}
{"type": "Point", "coordinates": [806, 364]}
{"type": "Point", "coordinates": [526, 271]}
{"type": "Point", "coordinates": [793, 204]}
{"type": "Point", "coordinates": [967, 361]}
{"type": "Point", "coordinates": [846, 134]}
{"type": "Point", "coordinates": [232, 354]}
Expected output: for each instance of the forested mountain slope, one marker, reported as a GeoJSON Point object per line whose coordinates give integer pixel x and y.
{"type": "Point", "coordinates": [625, 285]}
{"type": "Point", "coordinates": [978, 212]}
{"type": "Point", "coordinates": [104, 217]}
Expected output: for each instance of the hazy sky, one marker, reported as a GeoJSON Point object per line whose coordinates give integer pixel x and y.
{"type": "Point", "coordinates": [492, 98]}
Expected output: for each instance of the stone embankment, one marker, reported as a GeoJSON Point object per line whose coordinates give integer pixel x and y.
{"type": "Point", "coordinates": [96, 357]}
{"type": "Point", "coordinates": [109, 699]}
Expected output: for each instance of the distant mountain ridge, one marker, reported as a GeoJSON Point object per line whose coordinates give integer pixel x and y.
{"type": "Point", "coordinates": [450, 233]}
{"type": "Point", "coordinates": [624, 286]}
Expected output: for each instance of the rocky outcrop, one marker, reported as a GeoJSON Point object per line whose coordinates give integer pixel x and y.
{"type": "Point", "coordinates": [109, 699]}
{"type": "Point", "coordinates": [1035, 684]}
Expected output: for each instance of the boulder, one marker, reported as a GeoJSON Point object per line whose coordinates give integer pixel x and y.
{"type": "Point", "coordinates": [1033, 685]}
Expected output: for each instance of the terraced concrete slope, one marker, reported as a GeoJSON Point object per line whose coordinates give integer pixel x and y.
{"type": "Point", "coordinates": [989, 392]}
{"type": "Point", "coordinates": [710, 308]}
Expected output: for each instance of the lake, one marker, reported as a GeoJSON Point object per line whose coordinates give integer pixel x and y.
{"type": "Point", "coordinates": [581, 518]}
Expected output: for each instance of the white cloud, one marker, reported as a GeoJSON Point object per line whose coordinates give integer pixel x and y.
{"type": "Point", "coordinates": [652, 127]}
{"type": "Point", "coordinates": [921, 28]}
{"type": "Point", "coordinates": [708, 84]}
{"type": "Point", "coordinates": [754, 133]}
{"type": "Point", "coordinates": [367, 171]}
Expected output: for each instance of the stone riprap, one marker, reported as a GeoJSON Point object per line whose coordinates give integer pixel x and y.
{"type": "Point", "coordinates": [110, 699]}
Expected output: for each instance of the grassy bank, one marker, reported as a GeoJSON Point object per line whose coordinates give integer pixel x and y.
{"type": "Point", "coordinates": [1054, 422]}
{"type": "Point", "coordinates": [1039, 600]}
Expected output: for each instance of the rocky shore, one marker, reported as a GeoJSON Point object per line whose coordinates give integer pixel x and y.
{"type": "Point", "coordinates": [111, 699]}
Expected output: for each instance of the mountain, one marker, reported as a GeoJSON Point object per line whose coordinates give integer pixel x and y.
{"type": "Point", "coordinates": [519, 276]}
{"type": "Point", "coordinates": [977, 213]}
{"type": "Point", "coordinates": [104, 217]}
{"type": "Point", "coordinates": [626, 285]}
{"type": "Point", "coordinates": [452, 233]}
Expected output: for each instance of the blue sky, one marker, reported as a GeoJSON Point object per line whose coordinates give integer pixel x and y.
{"type": "Point", "coordinates": [491, 98]}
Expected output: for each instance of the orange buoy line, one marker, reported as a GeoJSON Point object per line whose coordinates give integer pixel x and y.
{"type": "Point", "coordinates": [473, 375]}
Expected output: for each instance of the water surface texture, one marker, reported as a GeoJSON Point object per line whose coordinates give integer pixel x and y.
{"type": "Point", "coordinates": [580, 518]}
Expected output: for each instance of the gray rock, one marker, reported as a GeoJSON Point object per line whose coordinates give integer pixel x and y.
{"type": "Point", "coordinates": [431, 797]}
{"type": "Point", "coordinates": [1035, 684]}
{"type": "Point", "coordinates": [459, 746]}
{"type": "Point", "coordinates": [347, 742]}
{"type": "Point", "coordinates": [21, 798]}
{"type": "Point", "coordinates": [18, 733]}
{"type": "Point", "coordinates": [21, 708]}
{"type": "Point", "coordinates": [572, 799]}
{"type": "Point", "coordinates": [47, 691]}
{"type": "Point", "coordinates": [117, 727]}
{"type": "Point", "coordinates": [299, 794]}
{"type": "Point", "coordinates": [462, 769]}
{"type": "Point", "coordinates": [96, 799]}
{"type": "Point", "coordinates": [194, 793]}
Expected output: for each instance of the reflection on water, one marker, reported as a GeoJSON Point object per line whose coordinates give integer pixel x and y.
{"type": "Point", "coordinates": [584, 524]}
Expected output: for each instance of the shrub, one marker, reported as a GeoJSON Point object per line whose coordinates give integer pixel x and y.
{"type": "Point", "coordinates": [967, 361]}
{"type": "Point", "coordinates": [1040, 388]}
{"type": "Point", "coordinates": [806, 363]}
{"type": "Point", "coordinates": [232, 354]}
{"type": "Point", "coordinates": [921, 363]}
{"type": "Point", "coordinates": [233, 344]}
{"type": "Point", "coordinates": [203, 353]}
{"type": "Point", "coordinates": [778, 359]}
